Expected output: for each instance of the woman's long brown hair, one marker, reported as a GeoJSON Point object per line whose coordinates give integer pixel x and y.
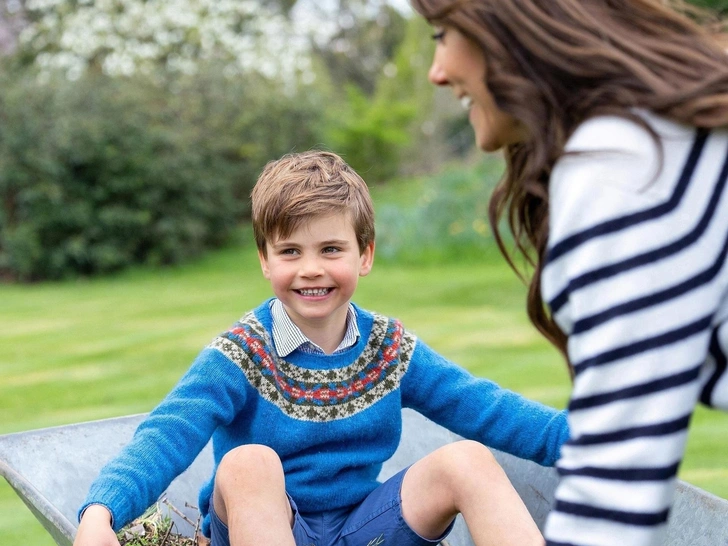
{"type": "Point", "coordinates": [552, 64]}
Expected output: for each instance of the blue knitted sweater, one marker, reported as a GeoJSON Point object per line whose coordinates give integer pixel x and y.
{"type": "Point", "coordinates": [325, 415]}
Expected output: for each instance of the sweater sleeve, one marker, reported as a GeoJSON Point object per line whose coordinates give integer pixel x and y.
{"type": "Point", "coordinates": [628, 279]}
{"type": "Point", "coordinates": [169, 439]}
{"type": "Point", "coordinates": [479, 409]}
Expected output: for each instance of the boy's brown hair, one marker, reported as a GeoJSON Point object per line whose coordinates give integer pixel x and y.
{"type": "Point", "coordinates": [298, 187]}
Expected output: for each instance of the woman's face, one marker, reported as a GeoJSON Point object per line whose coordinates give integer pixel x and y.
{"type": "Point", "coordinates": [459, 63]}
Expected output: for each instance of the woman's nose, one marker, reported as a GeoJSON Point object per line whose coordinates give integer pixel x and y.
{"type": "Point", "coordinates": [437, 75]}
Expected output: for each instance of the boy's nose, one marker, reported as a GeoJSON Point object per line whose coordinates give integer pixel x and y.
{"type": "Point", "coordinates": [436, 75]}
{"type": "Point", "coordinates": [311, 268]}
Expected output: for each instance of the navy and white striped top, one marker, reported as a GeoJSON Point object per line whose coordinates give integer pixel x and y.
{"type": "Point", "coordinates": [636, 277]}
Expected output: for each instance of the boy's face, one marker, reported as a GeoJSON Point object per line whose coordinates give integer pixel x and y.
{"type": "Point", "coordinates": [314, 271]}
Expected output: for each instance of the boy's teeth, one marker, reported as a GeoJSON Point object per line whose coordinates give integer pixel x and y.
{"type": "Point", "coordinates": [314, 292]}
{"type": "Point", "coordinates": [466, 102]}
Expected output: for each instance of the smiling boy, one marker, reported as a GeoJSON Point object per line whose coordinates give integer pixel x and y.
{"type": "Point", "coordinates": [303, 396]}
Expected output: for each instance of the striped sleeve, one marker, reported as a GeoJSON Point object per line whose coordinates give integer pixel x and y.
{"type": "Point", "coordinates": [635, 277]}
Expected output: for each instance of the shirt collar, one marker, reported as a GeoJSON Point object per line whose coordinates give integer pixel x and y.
{"type": "Point", "coordinates": [287, 337]}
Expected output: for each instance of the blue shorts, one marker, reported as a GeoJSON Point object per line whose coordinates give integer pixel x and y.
{"type": "Point", "coordinates": [377, 520]}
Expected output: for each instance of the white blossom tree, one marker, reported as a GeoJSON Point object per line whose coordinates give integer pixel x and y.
{"type": "Point", "coordinates": [124, 37]}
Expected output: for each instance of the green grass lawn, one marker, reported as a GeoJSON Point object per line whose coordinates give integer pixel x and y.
{"type": "Point", "coordinates": [85, 350]}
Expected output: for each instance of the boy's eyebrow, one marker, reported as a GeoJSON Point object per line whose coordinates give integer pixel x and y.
{"type": "Point", "coordinates": [280, 243]}
{"type": "Point", "coordinates": [327, 242]}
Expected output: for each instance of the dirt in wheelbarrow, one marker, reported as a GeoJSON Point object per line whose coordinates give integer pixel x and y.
{"type": "Point", "coordinates": [156, 528]}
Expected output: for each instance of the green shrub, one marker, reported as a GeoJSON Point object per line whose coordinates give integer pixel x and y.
{"type": "Point", "coordinates": [718, 6]}
{"type": "Point", "coordinates": [102, 173]}
{"type": "Point", "coordinates": [447, 222]}
{"type": "Point", "coordinates": [370, 134]}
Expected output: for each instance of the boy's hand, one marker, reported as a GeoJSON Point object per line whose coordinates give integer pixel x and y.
{"type": "Point", "coordinates": [95, 528]}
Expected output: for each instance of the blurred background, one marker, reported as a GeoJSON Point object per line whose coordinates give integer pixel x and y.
{"type": "Point", "coordinates": [131, 134]}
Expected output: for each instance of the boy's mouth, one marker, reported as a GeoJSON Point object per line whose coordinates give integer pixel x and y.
{"type": "Point", "coordinates": [314, 291]}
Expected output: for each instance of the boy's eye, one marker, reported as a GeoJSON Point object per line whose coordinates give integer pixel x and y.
{"type": "Point", "coordinates": [288, 251]}
{"type": "Point", "coordinates": [330, 249]}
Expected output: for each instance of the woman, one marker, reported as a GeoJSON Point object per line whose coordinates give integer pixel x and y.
{"type": "Point", "coordinates": [612, 115]}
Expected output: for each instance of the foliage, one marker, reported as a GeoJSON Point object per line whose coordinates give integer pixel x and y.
{"type": "Point", "coordinates": [375, 132]}
{"type": "Point", "coordinates": [154, 528]}
{"type": "Point", "coordinates": [101, 173]}
{"type": "Point", "coordinates": [718, 6]}
{"type": "Point", "coordinates": [404, 81]}
{"type": "Point", "coordinates": [447, 221]}
{"type": "Point", "coordinates": [370, 134]}
{"type": "Point", "coordinates": [362, 40]}
{"type": "Point", "coordinates": [125, 37]}
{"type": "Point", "coordinates": [165, 129]}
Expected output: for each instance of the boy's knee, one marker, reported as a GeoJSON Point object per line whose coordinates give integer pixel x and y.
{"type": "Point", "coordinates": [469, 450]}
{"type": "Point", "coordinates": [249, 460]}
{"type": "Point", "coordinates": [243, 475]}
{"type": "Point", "coordinates": [466, 457]}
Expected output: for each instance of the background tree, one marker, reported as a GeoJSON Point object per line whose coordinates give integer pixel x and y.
{"type": "Point", "coordinates": [132, 131]}
{"type": "Point", "coordinates": [124, 37]}
{"type": "Point", "coordinates": [361, 40]}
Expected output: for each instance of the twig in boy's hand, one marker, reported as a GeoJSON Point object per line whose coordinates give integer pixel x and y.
{"type": "Point", "coordinates": [180, 514]}
{"type": "Point", "coordinates": [197, 532]}
{"type": "Point", "coordinates": [155, 528]}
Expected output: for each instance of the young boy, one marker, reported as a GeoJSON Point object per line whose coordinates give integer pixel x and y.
{"type": "Point", "coordinates": [303, 397]}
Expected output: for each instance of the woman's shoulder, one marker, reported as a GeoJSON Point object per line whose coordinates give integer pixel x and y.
{"type": "Point", "coordinates": [626, 154]}
{"type": "Point", "coordinates": [637, 132]}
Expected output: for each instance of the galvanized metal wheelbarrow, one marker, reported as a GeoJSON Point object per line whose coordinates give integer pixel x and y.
{"type": "Point", "coordinates": [51, 470]}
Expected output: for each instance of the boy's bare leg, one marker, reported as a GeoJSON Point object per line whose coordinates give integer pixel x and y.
{"type": "Point", "coordinates": [464, 477]}
{"type": "Point", "coordinates": [250, 497]}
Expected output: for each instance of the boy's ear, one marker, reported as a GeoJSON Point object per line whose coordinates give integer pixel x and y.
{"type": "Point", "coordinates": [367, 260]}
{"type": "Point", "coordinates": [264, 264]}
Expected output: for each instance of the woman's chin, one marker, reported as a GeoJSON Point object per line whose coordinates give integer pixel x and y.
{"type": "Point", "coordinates": [487, 145]}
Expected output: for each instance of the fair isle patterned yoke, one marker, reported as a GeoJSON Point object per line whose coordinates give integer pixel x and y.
{"type": "Point", "coordinates": [320, 395]}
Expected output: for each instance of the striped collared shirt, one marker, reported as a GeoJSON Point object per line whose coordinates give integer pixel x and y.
{"type": "Point", "coordinates": [287, 337]}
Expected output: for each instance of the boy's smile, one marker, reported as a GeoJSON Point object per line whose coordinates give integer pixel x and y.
{"type": "Point", "coordinates": [314, 272]}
